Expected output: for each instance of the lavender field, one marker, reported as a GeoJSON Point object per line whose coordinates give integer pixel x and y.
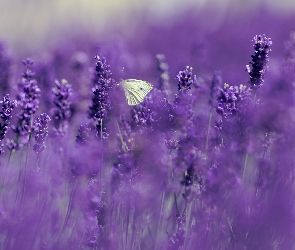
{"type": "Point", "coordinates": [206, 161]}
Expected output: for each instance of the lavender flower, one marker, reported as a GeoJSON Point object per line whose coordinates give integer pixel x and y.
{"type": "Point", "coordinates": [259, 60]}
{"type": "Point", "coordinates": [84, 132]}
{"type": "Point", "coordinates": [5, 68]}
{"type": "Point", "coordinates": [164, 74]}
{"type": "Point", "coordinates": [5, 114]}
{"type": "Point", "coordinates": [185, 79]}
{"type": "Point", "coordinates": [177, 240]}
{"type": "Point", "coordinates": [183, 102]}
{"type": "Point", "coordinates": [101, 103]}
{"type": "Point", "coordinates": [79, 60]}
{"type": "Point", "coordinates": [41, 130]}
{"type": "Point", "coordinates": [143, 115]}
{"type": "Point", "coordinates": [62, 112]}
{"type": "Point", "coordinates": [230, 99]}
{"type": "Point", "coordinates": [28, 101]}
{"type": "Point", "coordinates": [214, 89]}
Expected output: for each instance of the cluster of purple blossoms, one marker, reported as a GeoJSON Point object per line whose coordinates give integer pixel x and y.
{"type": "Point", "coordinates": [259, 60]}
{"type": "Point", "coordinates": [230, 99]}
{"type": "Point", "coordinates": [5, 114]}
{"type": "Point", "coordinates": [28, 101]}
{"type": "Point", "coordinates": [101, 103]}
{"type": "Point", "coordinates": [84, 132]}
{"type": "Point", "coordinates": [143, 115]}
{"type": "Point", "coordinates": [183, 102]}
{"type": "Point", "coordinates": [62, 111]}
{"type": "Point", "coordinates": [185, 79]}
{"type": "Point", "coordinates": [40, 128]}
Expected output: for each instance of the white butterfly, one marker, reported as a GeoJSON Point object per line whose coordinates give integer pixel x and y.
{"type": "Point", "coordinates": [136, 90]}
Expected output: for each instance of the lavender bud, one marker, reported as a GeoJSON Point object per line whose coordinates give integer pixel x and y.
{"type": "Point", "coordinates": [41, 129]}
{"type": "Point", "coordinates": [185, 79]}
{"type": "Point", "coordinates": [28, 100]}
{"type": "Point", "coordinates": [84, 133]}
{"type": "Point", "coordinates": [5, 114]}
{"type": "Point", "coordinates": [101, 103]}
{"type": "Point", "coordinates": [62, 111]}
{"type": "Point", "coordinates": [229, 99]}
{"type": "Point", "coordinates": [164, 74]}
{"type": "Point", "coordinates": [5, 65]}
{"type": "Point", "coordinates": [259, 60]}
{"type": "Point", "coordinates": [215, 86]}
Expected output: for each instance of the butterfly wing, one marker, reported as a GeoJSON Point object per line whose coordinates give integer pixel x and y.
{"type": "Point", "coordinates": [136, 90]}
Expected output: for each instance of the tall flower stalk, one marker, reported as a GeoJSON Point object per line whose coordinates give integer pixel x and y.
{"type": "Point", "coordinates": [28, 101]}
{"type": "Point", "coordinates": [101, 103]}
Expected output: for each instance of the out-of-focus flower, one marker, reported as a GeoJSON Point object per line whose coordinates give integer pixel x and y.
{"type": "Point", "coordinates": [79, 60]}
{"type": "Point", "coordinates": [143, 115]}
{"type": "Point", "coordinates": [164, 74]}
{"type": "Point", "coordinates": [5, 68]}
{"type": "Point", "coordinates": [62, 111]}
{"type": "Point", "coordinates": [259, 60]}
{"type": "Point", "coordinates": [84, 132]}
{"type": "Point", "coordinates": [230, 98]}
{"type": "Point", "coordinates": [41, 131]}
{"type": "Point", "coordinates": [214, 89]}
{"type": "Point", "coordinates": [177, 240]}
{"type": "Point", "coordinates": [5, 114]}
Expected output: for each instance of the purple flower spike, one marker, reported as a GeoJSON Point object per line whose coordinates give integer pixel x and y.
{"type": "Point", "coordinates": [28, 74]}
{"type": "Point", "coordinates": [215, 86]}
{"type": "Point", "coordinates": [164, 77]}
{"type": "Point", "coordinates": [5, 68]}
{"type": "Point", "coordinates": [28, 100]}
{"type": "Point", "coordinates": [259, 60]}
{"type": "Point", "coordinates": [185, 79]}
{"type": "Point", "coordinates": [5, 114]}
{"type": "Point", "coordinates": [84, 133]}
{"type": "Point", "coordinates": [41, 129]}
{"type": "Point", "coordinates": [101, 103]}
{"type": "Point", "coordinates": [229, 98]}
{"type": "Point", "coordinates": [143, 115]}
{"type": "Point", "coordinates": [62, 111]}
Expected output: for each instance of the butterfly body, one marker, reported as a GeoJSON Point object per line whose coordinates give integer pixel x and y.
{"type": "Point", "coordinates": [136, 90]}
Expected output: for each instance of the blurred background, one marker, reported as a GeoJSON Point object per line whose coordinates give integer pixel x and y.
{"type": "Point", "coordinates": [208, 35]}
{"type": "Point", "coordinates": [27, 24]}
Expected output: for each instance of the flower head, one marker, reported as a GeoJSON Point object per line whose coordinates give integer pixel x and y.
{"type": "Point", "coordinates": [185, 79]}
{"type": "Point", "coordinates": [229, 99]}
{"type": "Point", "coordinates": [62, 111]}
{"type": "Point", "coordinates": [41, 129]}
{"type": "Point", "coordinates": [259, 60]}
{"type": "Point", "coordinates": [164, 74]}
{"type": "Point", "coordinates": [5, 64]}
{"type": "Point", "coordinates": [5, 114]}
{"type": "Point", "coordinates": [214, 89]}
{"type": "Point", "coordinates": [101, 103]}
{"type": "Point", "coordinates": [28, 101]}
